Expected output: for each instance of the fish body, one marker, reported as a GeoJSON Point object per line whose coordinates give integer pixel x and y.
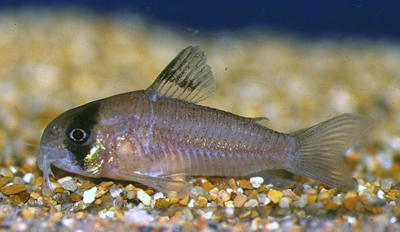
{"type": "Point", "coordinates": [151, 136]}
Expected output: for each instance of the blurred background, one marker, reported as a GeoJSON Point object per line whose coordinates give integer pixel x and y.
{"type": "Point", "coordinates": [296, 63]}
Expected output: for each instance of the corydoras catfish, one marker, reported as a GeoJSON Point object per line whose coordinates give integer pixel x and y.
{"type": "Point", "coordinates": [154, 135]}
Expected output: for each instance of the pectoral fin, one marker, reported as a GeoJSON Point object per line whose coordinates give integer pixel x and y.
{"type": "Point", "coordinates": [171, 185]}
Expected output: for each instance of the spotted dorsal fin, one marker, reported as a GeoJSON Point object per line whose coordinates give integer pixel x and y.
{"type": "Point", "coordinates": [187, 77]}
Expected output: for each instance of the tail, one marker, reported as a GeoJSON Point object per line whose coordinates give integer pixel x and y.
{"type": "Point", "coordinates": [320, 148]}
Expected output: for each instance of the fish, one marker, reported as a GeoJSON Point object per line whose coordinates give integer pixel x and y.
{"type": "Point", "coordinates": [161, 137]}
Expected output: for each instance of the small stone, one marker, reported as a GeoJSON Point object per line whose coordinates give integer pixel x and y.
{"type": "Point", "coordinates": [285, 202]}
{"type": "Point", "coordinates": [201, 202]}
{"type": "Point", "coordinates": [251, 203]}
{"type": "Point", "coordinates": [161, 203]}
{"type": "Point", "coordinates": [223, 196]}
{"type": "Point", "coordinates": [5, 180]}
{"type": "Point", "coordinates": [350, 203]}
{"type": "Point", "coordinates": [239, 200]}
{"type": "Point", "coordinates": [86, 185]}
{"type": "Point", "coordinates": [274, 195]}
{"type": "Point", "coordinates": [273, 226]}
{"type": "Point", "coordinates": [302, 201]}
{"type": "Point", "coordinates": [311, 198]}
{"type": "Point", "coordinates": [98, 202]}
{"type": "Point", "coordinates": [184, 201]}
{"type": "Point", "coordinates": [27, 214]}
{"type": "Point", "coordinates": [393, 194]}
{"type": "Point", "coordinates": [75, 197]}
{"type": "Point", "coordinates": [232, 184]}
{"type": "Point", "coordinates": [130, 195]}
{"type": "Point", "coordinates": [263, 199]}
{"type": "Point", "coordinates": [35, 195]}
{"type": "Point", "coordinates": [28, 177]}
{"type": "Point", "coordinates": [329, 205]}
{"type": "Point", "coordinates": [158, 195]}
{"type": "Point", "coordinates": [207, 186]}
{"type": "Point", "coordinates": [6, 172]}
{"type": "Point", "coordinates": [101, 190]}
{"type": "Point", "coordinates": [107, 184]}
{"type": "Point", "coordinates": [380, 194]}
{"type": "Point", "coordinates": [245, 184]}
{"type": "Point", "coordinates": [114, 192]}
{"type": "Point", "coordinates": [144, 197]}
{"type": "Point", "coordinates": [12, 189]}
{"type": "Point", "coordinates": [89, 195]}
{"type": "Point", "coordinates": [24, 197]}
{"type": "Point", "coordinates": [256, 181]}
{"type": "Point", "coordinates": [68, 183]}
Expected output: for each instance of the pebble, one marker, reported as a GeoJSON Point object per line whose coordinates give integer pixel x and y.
{"type": "Point", "coordinates": [12, 189]}
{"type": "Point", "coordinates": [274, 195]}
{"type": "Point", "coordinates": [272, 226]}
{"type": "Point", "coordinates": [5, 180]}
{"type": "Point", "coordinates": [285, 202]}
{"type": "Point", "coordinates": [245, 184]}
{"type": "Point", "coordinates": [239, 200]}
{"type": "Point", "coordinates": [201, 202]}
{"type": "Point", "coordinates": [263, 199]}
{"type": "Point", "coordinates": [223, 196]}
{"type": "Point", "coordinates": [68, 184]}
{"type": "Point", "coordinates": [35, 195]}
{"type": "Point", "coordinates": [251, 203]}
{"type": "Point", "coordinates": [28, 177]}
{"type": "Point", "coordinates": [27, 214]}
{"type": "Point", "coordinates": [256, 181]}
{"type": "Point", "coordinates": [114, 192]}
{"type": "Point", "coordinates": [89, 195]}
{"type": "Point", "coordinates": [144, 197]}
{"type": "Point", "coordinates": [207, 186]}
{"type": "Point", "coordinates": [75, 197]}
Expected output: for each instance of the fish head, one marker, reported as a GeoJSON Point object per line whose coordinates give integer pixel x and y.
{"type": "Point", "coordinates": [72, 142]}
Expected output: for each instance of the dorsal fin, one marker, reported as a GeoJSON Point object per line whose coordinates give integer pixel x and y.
{"type": "Point", "coordinates": [187, 77]}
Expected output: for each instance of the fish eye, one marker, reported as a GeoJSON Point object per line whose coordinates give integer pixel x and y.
{"type": "Point", "coordinates": [78, 135]}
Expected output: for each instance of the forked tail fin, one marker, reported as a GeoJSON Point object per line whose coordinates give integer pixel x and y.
{"type": "Point", "coordinates": [320, 148]}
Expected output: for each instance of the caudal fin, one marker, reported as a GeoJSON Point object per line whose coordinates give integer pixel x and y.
{"type": "Point", "coordinates": [320, 148]}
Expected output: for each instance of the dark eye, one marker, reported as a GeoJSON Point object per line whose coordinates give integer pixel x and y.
{"type": "Point", "coordinates": [78, 135]}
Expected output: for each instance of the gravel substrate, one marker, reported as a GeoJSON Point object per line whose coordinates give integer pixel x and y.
{"type": "Point", "coordinates": [50, 62]}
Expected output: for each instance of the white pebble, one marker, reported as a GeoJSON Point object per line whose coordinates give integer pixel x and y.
{"type": "Point", "coordinates": [351, 220]}
{"type": "Point", "coordinates": [28, 177]}
{"type": "Point", "coordinates": [89, 195]}
{"type": "Point", "coordinates": [191, 203]}
{"type": "Point", "coordinates": [361, 188]}
{"type": "Point", "coordinates": [273, 226]}
{"type": "Point", "coordinates": [114, 192]}
{"type": "Point", "coordinates": [380, 194]}
{"type": "Point", "coordinates": [229, 210]}
{"type": "Point", "coordinates": [144, 197]}
{"type": "Point", "coordinates": [285, 202]}
{"type": "Point", "coordinates": [256, 181]}
{"type": "Point", "coordinates": [158, 195]}
{"type": "Point", "coordinates": [263, 199]}
{"type": "Point", "coordinates": [251, 203]}
{"type": "Point", "coordinates": [302, 201]}
{"type": "Point", "coordinates": [13, 169]}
